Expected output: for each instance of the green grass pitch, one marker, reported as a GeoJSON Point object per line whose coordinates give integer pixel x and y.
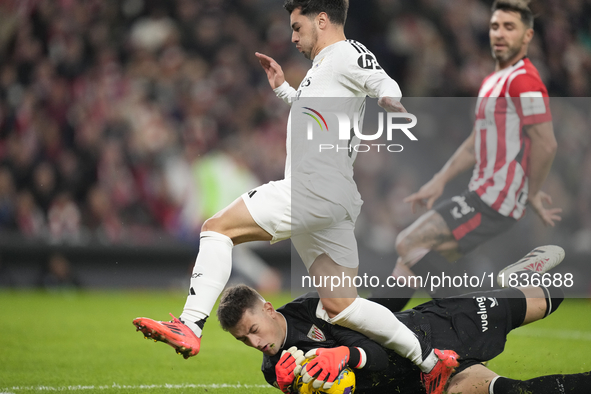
{"type": "Point", "coordinates": [85, 342]}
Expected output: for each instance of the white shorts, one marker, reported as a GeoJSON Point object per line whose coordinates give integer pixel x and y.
{"type": "Point", "coordinates": [288, 209]}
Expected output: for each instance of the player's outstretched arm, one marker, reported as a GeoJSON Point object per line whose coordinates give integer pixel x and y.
{"type": "Point", "coordinates": [463, 159]}
{"type": "Point", "coordinates": [391, 104]}
{"type": "Point", "coordinates": [542, 151]}
{"type": "Point", "coordinates": [272, 69]}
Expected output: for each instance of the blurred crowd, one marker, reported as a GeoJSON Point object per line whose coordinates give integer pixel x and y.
{"type": "Point", "coordinates": [131, 120]}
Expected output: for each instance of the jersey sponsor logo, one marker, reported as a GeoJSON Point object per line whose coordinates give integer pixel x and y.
{"type": "Point", "coordinates": [194, 276]}
{"type": "Point", "coordinates": [368, 62]}
{"type": "Point", "coordinates": [316, 334]}
{"type": "Point", "coordinates": [483, 310]}
{"type": "Point", "coordinates": [461, 209]}
{"type": "Point", "coordinates": [251, 193]}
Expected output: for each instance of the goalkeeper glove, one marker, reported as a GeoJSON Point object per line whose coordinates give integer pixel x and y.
{"type": "Point", "coordinates": [326, 366]}
{"type": "Point", "coordinates": [284, 369]}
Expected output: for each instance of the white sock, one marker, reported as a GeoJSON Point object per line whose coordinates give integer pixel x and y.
{"type": "Point", "coordinates": [210, 275]}
{"type": "Point", "coordinates": [381, 325]}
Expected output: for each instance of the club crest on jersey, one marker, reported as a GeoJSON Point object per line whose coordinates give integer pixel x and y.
{"type": "Point", "coordinates": [315, 334]}
{"type": "Point", "coordinates": [368, 62]}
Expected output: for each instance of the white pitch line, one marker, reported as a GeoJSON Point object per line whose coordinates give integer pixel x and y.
{"type": "Point", "coordinates": [116, 386]}
{"type": "Point", "coordinates": [521, 332]}
{"type": "Point", "coordinates": [552, 333]}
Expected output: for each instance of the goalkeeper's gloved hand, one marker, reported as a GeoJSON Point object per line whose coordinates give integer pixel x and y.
{"type": "Point", "coordinates": [326, 366]}
{"type": "Point", "coordinates": [284, 369]}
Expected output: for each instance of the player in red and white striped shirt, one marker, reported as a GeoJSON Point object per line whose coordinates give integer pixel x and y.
{"type": "Point", "coordinates": [511, 100]}
{"type": "Point", "coordinates": [510, 149]}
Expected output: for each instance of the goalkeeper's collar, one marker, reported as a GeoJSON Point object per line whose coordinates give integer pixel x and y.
{"type": "Point", "coordinates": [286, 328]}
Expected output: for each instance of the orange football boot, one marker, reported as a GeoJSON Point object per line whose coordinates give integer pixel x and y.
{"type": "Point", "coordinates": [175, 333]}
{"type": "Point", "coordinates": [436, 380]}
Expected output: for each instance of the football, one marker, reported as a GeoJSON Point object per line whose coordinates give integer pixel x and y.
{"type": "Point", "coordinates": [344, 383]}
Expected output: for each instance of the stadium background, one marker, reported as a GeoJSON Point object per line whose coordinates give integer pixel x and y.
{"type": "Point", "coordinates": [125, 124]}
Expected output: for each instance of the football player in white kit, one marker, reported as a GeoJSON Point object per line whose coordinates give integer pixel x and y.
{"type": "Point", "coordinates": [316, 205]}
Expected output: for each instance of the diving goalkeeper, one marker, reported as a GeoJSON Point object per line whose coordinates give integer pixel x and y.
{"type": "Point", "coordinates": [475, 326]}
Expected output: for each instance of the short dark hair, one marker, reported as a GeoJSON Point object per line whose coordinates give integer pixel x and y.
{"type": "Point", "coordinates": [519, 6]}
{"type": "Point", "coordinates": [335, 9]}
{"type": "Point", "coordinates": [234, 302]}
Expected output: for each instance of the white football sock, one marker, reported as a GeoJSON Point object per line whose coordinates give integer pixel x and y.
{"type": "Point", "coordinates": [381, 325]}
{"type": "Point", "coordinates": [210, 274]}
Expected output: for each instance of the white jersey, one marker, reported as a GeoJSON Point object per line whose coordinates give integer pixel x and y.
{"type": "Point", "coordinates": [341, 77]}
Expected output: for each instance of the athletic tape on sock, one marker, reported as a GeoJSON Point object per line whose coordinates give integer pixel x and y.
{"type": "Point", "coordinates": [554, 297]}
{"type": "Point", "coordinates": [491, 389]}
{"type": "Point", "coordinates": [362, 358]}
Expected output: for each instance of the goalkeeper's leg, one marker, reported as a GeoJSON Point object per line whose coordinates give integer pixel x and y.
{"type": "Point", "coordinates": [478, 379]}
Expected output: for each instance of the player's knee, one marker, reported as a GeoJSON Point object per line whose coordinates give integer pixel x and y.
{"type": "Point", "coordinates": [409, 251]}
{"type": "Point", "coordinates": [213, 224]}
{"type": "Point", "coordinates": [401, 270]}
{"type": "Point", "coordinates": [207, 225]}
{"type": "Point", "coordinates": [403, 243]}
{"type": "Point", "coordinates": [334, 306]}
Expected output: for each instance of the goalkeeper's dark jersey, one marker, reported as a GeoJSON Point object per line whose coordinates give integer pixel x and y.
{"type": "Point", "coordinates": [475, 326]}
{"type": "Point", "coordinates": [385, 371]}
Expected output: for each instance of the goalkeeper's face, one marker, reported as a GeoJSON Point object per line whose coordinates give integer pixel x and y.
{"type": "Point", "coordinates": [262, 328]}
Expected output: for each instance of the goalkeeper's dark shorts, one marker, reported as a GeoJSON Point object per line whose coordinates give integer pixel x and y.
{"type": "Point", "coordinates": [476, 325]}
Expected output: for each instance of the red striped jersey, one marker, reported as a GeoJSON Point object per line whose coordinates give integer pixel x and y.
{"type": "Point", "coordinates": [508, 100]}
